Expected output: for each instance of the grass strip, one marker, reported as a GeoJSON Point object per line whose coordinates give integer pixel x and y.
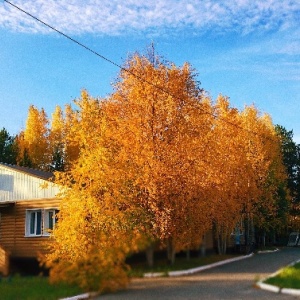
{"type": "Point", "coordinates": [34, 288]}
{"type": "Point", "coordinates": [289, 277]}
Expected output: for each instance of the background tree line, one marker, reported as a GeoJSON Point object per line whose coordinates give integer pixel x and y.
{"type": "Point", "coordinates": [157, 161]}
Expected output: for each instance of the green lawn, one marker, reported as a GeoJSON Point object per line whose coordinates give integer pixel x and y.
{"type": "Point", "coordinates": [38, 288]}
{"type": "Point", "coordinates": [289, 277]}
{"type": "Point", "coordinates": [34, 288]}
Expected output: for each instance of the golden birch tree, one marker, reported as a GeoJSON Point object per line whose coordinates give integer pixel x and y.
{"type": "Point", "coordinates": [246, 171]}
{"type": "Point", "coordinates": [159, 127]}
{"type": "Point", "coordinates": [226, 171]}
{"type": "Point", "coordinates": [56, 139]}
{"type": "Point", "coordinates": [33, 141]}
{"type": "Point", "coordinates": [155, 161]}
{"type": "Point", "coordinates": [268, 179]}
{"type": "Point", "coordinates": [96, 230]}
{"type": "Point", "coordinates": [71, 142]}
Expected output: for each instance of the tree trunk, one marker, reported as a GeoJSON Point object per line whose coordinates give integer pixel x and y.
{"type": "Point", "coordinates": [219, 243]}
{"type": "Point", "coordinates": [150, 255]}
{"type": "Point", "coordinates": [222, 240]}
{"type": "Point", "coordinates": [188, 254]}
{"type": "Point", "coordinates": [264, 239]}
{"type": "Point", "coordinates": [170, 252]}
{"type": "Point", "coordinates": [252, 231]}
{"type": "Point", "coordinates": [203, 246]}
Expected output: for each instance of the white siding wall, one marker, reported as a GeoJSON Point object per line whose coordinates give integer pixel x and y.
{"type": "Point", "coordinates": [16, 185]}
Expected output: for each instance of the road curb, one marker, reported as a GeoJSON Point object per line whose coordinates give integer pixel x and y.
{"type": "Point", "coordinates": [197, 269]}
{"type": "Point", "coordinates": [81, 296]}
{"type": "Point", "coordinates": [276, 289]}
{"type": "Point", "coordinates": [260, 283]}
{"type": "Point", "coordinates": [268, 287]}
{"type": "Point", "coordinates": [267, 251]}
{"type": "Point", "coordinates": [206, 267]}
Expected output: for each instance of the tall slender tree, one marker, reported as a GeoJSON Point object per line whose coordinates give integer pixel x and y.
{"type": "Point", "coordinates": [160, 128]}
{"type": "Point", "coordinates": [100, 227]}
{"type": "Point", "coordinates": [291, 159]}
{"type": "Point", "coordinates": [33, 142]}
{"type": "Point", "coordinates": [56, 140]}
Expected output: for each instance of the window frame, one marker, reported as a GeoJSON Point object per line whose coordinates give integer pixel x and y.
{"type": "Point", "coordinates": [38, 222]}
{"type": "Point", "coordinates": [47, 227]}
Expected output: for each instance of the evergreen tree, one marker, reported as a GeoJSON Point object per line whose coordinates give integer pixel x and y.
{"type": "Point", "coordinates": [8, 149]}
{"type": "Point", "coordinates": [291, 159]}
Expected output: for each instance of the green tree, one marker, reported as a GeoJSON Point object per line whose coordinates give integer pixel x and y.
{"type": "Point", "coordinates": [8, 149]}
{"type": "Point", "coordinates": [291, 159]}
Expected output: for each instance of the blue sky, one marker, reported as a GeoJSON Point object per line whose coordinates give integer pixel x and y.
{"type": "Point", "coordinates": [248, 50]}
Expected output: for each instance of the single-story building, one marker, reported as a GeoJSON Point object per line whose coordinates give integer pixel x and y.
{"type": "Point", "coordinates": [28, 205]}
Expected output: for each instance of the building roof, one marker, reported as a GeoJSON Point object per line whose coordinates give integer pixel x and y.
{"type": "Point", "coordinates": [21, 183]}
{"type": "Point", "coordinates": [33, 172]}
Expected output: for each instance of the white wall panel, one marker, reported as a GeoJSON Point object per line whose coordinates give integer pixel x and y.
{"type": "Point", "coordinates": [15, 185]}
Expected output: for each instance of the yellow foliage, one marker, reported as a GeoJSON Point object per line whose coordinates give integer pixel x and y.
{"type": "Point", "coordinates": [33, 141]}
{"type": "Point", "coordinates": [155, 162]}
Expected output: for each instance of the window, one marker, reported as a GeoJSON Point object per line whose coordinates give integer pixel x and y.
{"type": "Point", "coordinates": [39, 222]}
{"type": "Point", "coordinates": [49, 220]}
{"type": "Point", "coordinates": [35, 225]}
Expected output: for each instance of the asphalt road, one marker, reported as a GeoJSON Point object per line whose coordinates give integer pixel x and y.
{"type": "Point", "coordinates": [232, 281]}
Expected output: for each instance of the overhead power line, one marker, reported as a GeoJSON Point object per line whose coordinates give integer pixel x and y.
{"type": "Point", "coordinates": [87, 48]}
{"type": "Point", "coordinates": [119, 66]}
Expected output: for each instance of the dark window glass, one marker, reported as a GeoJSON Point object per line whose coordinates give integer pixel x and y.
{"type": "Point", "coordinates": [32, 222]}
{"type": "Point", "coordinates": [38, 222]}
{"type": "Point", "coordinates": [51, 220]}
